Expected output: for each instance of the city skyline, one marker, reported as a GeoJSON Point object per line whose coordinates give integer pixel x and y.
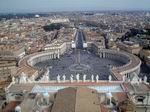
{"type": "Point", "coordinates": [18, 6]}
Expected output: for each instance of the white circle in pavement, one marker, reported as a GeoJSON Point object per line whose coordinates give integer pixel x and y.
{"type": "Point", "coordinates": [79, 67]}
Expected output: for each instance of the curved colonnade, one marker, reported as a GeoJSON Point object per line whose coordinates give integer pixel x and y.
{"type": "Point", "coordinates": [132, 63]}
{"type": "Point", "coordinates": [42, 57]}
{"type": "Point", "coordinates": [28, 62]}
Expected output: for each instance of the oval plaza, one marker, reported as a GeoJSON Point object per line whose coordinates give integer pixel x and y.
{"type": "Point", "coordinates": [88, 59]}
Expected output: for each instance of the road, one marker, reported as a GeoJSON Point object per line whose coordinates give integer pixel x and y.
{"type": "Point", "coordinates": [79, 39]}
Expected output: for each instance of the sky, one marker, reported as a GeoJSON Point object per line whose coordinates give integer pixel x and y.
{"type": "Point", "coordinates": [17, 6]}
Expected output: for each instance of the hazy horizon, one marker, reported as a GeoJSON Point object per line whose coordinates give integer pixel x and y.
{"type": "Point", "coordinates": [30, 6]}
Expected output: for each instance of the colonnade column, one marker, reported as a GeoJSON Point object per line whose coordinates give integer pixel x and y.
{"type": "Point", "coordinates": [58, 55]}
{"type": "Point", "coordinates": [104, 55]}
{"type": "Point", "coordinates": [100, 54]}
{"type": "Point", "coordinates": [54, 55]}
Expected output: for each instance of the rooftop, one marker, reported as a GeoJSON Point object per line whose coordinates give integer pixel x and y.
{"type": "Point", "coordinates": [82, 100]}
{"type": "Point", "coordinates": [136, 88]}
{"type": "Point", "coordinates": [9, 47]}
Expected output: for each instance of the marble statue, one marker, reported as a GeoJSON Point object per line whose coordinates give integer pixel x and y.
{"type": "Point", "coordinates": [23, 78]}
{"type": "Point", "coordinates": [124, 78]}
{"type": "Point", "coordinates": [84, 77]}
{"type": "Point", "coordinates": [135, 79]}
{"type": "Point", "coordinates": [58, 78]}
{"type": "Point", "coordinates": [46, 78]}
{"type": "Point", "coordinates": [13, 79]}
{"type": "Point", "coordinates": [110, 78]}
{"type": "Point", "coordinates": [92, 78]}
{"type": "Point", "coordinates": [140, 80]}
{"type": "Point", "coordinates": [78, 77]}
{"type": "Point", "coordinates": [145, 79]}
{"type": "Point", "coordinates": [64, 78]}
{"type": "Point", "coordinates": [71, 78]}
{"type": "Point", "coordinates": [97, 78]}
{"type": "Point", "coordinates": [109, 96]}
{"type": "Point", "coordinates": [47, 72]}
